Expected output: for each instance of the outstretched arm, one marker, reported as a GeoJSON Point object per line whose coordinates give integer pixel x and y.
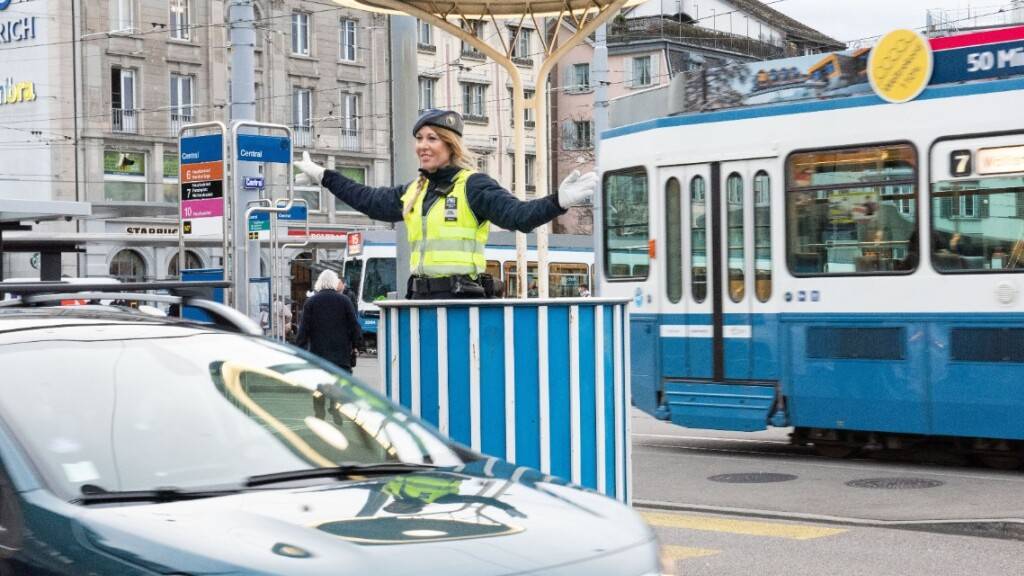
{"type": "Point", "coordinates": [384, 203]}
{"type": "Point", "coordinates": [489, 201]}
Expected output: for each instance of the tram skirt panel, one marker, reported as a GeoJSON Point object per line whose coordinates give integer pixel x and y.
{"type": "Point", "coordinates": [539, 383]}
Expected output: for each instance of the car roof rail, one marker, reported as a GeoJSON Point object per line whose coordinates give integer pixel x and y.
{"type": "Point", "coordinates": [194, 294]}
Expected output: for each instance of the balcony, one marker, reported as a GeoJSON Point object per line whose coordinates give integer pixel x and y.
{"type": "Point", "coordinates": [124, 121]}
{"type": "Point", "coordinates": [350, 140]}
{"type": "Point", "coordinates": [179, 120]}
{"type": "Point", "coordinates": [302, 136]}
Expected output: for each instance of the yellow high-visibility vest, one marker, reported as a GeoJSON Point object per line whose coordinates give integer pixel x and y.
{"type": "Point", "coordinates": [448, 240]}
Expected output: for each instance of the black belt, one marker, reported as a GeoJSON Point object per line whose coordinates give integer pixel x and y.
{"type": "Point", "coordinates": [426, 285]}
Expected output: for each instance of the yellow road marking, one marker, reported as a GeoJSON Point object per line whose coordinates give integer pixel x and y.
{"type": "Point", "coordinates": [673, 553]}
{"type": "Point", "coordinates": [747, 527]}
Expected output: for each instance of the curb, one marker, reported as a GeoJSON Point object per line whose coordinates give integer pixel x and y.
{"type": "Point", "coordinates": [1000, 528]}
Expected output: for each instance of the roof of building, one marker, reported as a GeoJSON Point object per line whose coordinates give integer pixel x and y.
{"type": "Point", "coordinates": [791, 26]}
{"type": "Point", "coordinates": [480, 8]}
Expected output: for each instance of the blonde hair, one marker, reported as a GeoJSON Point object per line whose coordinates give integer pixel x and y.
{"type": "Point", "coordinates": [460, 156]}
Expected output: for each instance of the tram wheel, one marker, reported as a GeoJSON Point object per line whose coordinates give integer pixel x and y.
{"type": "Point", "coordinates": [833, 450]}
{"type": "Point", "coordinates": [1001, 461]}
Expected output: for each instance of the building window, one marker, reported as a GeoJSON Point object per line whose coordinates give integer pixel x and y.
{"type": "Point", "coordinates": [128, 266]}
{"type": "Point", "coordinates": [180, 20]}
{"type": "Point", "coordinates": [311, 193]}
{"type": "Point", "coordinates": [641, 71]}
{"type": "Point", "coordinates": [181, 101]}
{"type": "Point", "coordinates": [425, 34]}
{"type": "Point", "coordinates": [427, 89]}
{"type": "Point", "coordinates": [841, 210]}
{"type": "Point", "coordinates": [355, 174]}
{"type": "Point", "coordinates": [122, 15]}
{"type": "Point", "coordinates": [124, 176]}
{"type": "Point", "coordinates": [348, 40]}
{"type": "Point", "coordinates": [482, 163]}
{"type": "Point", "coordinates": [577, 135]}
{"type": "Point", "coordinates": [350, 121]}
{"type": "Point", "coordinates": [171, 190]}
{"type": "Point", "coordinates": [122, 101]}
{"type": "Point", "coordinates": [521, 49]}
{"type": "Point", "coordinates": [300, 33]}
{"type": "Point", "coordinates": [531, 164]}
{"type": "Point", "coordinates": [474, 101]}
{"type": "Point", "coordinates": [626, 225]}
{"type": "Point", "coordinates": [577, 78]}
{"type": "Point", "coordinates": [527, 112]}
{"type": "Point", "coordinates": [192, 262]}
{"type": "Point", "coordinates": [302, 117]}
{"type": "Point", "coordinates": [476, 27]}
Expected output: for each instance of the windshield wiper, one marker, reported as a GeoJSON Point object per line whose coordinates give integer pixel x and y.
{"type": "Point", "coordinates": [92, 494]}
{"type": "Point", "coordinates": [340, 472]}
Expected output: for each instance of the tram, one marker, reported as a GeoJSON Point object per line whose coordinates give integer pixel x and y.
{"type": "Point", "coordinates": [847, 267]}
{"type": "Point", "coordinates": [373, 273]}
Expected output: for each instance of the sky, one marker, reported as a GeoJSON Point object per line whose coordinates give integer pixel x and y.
{"type": "Point", "coordinates": [855, 19]}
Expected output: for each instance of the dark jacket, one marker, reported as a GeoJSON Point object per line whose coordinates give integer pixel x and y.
{"type": "Point", "coordinates": [330, 328]}
{"type": "Point", "coordinates": [487, 199]}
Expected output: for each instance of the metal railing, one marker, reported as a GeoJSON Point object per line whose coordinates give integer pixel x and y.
{"type": "Point", "coordinates": [350, 139]}
{"type": "Point", "coordinates": [179, 120]}
{"type": "Point", "coordinates": [649, 27]}
{"type": "Point", "coordinates": [302, 136]}
{"type": "Point", "coordinates": [124, 120]}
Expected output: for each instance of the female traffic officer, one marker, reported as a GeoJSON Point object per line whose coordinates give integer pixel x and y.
{"type": "Point", "coordinates": [448, 209]}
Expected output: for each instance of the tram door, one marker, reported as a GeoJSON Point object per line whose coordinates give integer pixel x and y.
{"type": "Point", "coordinates": [739, 255]}
{"type": "Point", "coordinates": [685, 331]}
{"type": "Point", "coordinates": [717, 277]}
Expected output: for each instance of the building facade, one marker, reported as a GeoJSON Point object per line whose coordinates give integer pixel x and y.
{"type": "Point", "coordinates": [122, 76]}
{"type": "Point", "coordinates": [647, 46]}
{"type": "Point", "coordinates": [454, 75]}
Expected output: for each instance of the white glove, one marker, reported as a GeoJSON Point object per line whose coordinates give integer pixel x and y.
{"type": "Point", "coordinates": [576, 189]}
{"type": "Point", "coordinates": [312, 173]}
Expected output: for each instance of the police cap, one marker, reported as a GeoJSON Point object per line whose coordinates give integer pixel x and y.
{"type": "Point", "coordinates": [448, 119]}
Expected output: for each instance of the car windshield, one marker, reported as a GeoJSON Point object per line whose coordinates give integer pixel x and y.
{"type": "Point", "coordinates": [128, 407]}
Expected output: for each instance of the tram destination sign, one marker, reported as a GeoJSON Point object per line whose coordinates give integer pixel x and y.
{"type": "Point", "coordinates": [201, 174]}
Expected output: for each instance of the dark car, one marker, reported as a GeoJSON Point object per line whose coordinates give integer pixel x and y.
{"type": "Point", "coordinates": [131, 445]}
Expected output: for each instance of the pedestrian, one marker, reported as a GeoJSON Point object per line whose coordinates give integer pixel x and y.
{"type": "Point", "coordinates": [328, 326]}
{"type": "Point", "coordinates": [283, 314]}
{"type": "Point", "coordinates": [448, 209]}
{"type": "Point", "coordinates": [348, 293]}
{"type": "Point", "coordinates": [584, 292]}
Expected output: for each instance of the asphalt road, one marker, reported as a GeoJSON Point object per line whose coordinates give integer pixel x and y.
{"type": "Point", "coordinates": [729, 503]}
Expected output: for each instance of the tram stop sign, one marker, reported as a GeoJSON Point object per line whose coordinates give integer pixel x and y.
{"type": "Point", "coordinates": [354, 240]}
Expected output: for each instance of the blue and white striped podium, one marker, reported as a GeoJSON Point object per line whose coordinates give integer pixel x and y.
{"type": "Point", "coordinates": [541, 383]}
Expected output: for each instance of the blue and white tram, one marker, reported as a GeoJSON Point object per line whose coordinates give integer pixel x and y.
{"type": "Point", "coordinates": [848, 267]}
{"type": "Point", "coordinates": [373, 274]}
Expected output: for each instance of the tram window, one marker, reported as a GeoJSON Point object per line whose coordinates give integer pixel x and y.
{"type": "Point", "coordinates": [353, 274]}
{"type": "Point", "coordinates": [564, 279]}
{"type": "Point", "coordinates": [852, 211]}
{"type": "Point", "coordinates": [698, 240]}
{"type": "Point", "coordinates": [734, 200]}
{"type": "Point", "coordinates": [494, 269]}
{"type": "Point", "coordinates": [512, 280]}
{"type": "Point", "coordinates": [626, 218]}
{"type": "Point", "coordinates": [762, 236]}
{"type": "Point", "coordinates": [673, 241]}
{"type": "Point", "coordinates": [380, 279]}
{"type": "Point", "coordinates": [978, 225]}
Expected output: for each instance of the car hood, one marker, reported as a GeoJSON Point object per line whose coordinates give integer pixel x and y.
{"type": "Point", "coordinates": [449, 523]}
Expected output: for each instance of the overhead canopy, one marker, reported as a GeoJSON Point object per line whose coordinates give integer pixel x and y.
{"type": "Point", "coordinates": [25, 210]}
{"type": "Point", "coordinates": [485, 8]}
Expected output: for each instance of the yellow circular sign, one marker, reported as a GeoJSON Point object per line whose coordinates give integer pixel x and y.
{"type": "Point", "coordinates": [900, 65]}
